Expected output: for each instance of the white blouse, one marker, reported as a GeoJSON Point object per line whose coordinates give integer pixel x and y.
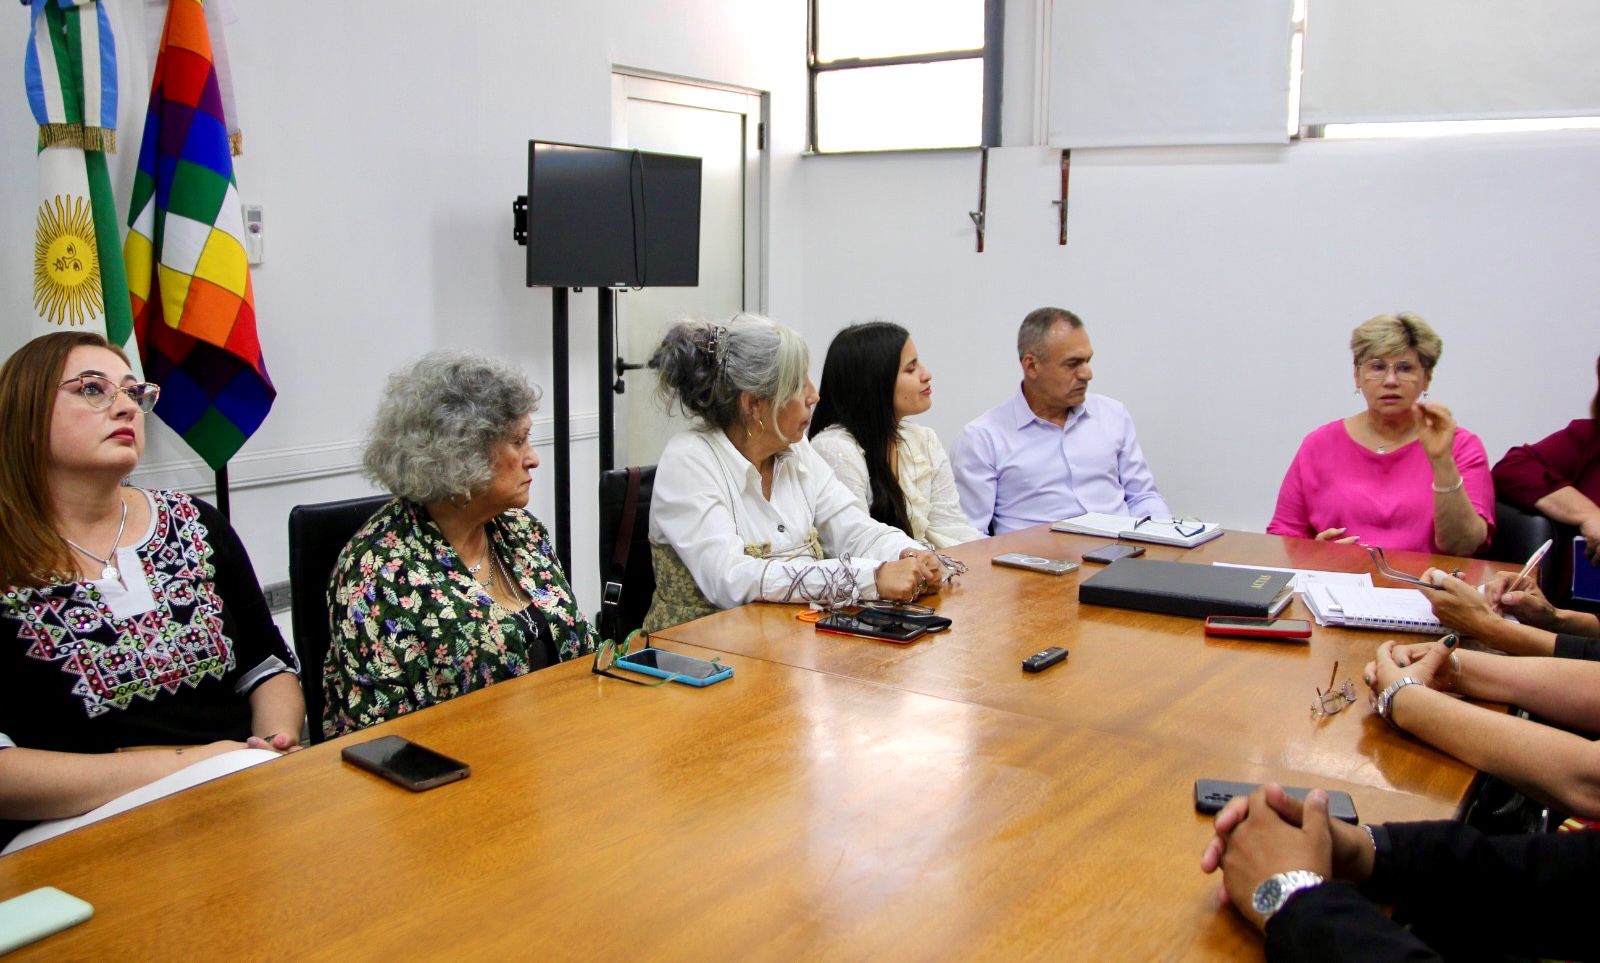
{"type": "Point", "coordinates": [707, 505]}
{"type": "Point", "coordinates": [932, 505]}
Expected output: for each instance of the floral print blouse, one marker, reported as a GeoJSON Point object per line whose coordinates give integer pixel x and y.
{"type": "Point", "coordinates": [412, 627]}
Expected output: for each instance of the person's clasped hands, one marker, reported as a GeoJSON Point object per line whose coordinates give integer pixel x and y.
{"type": "Point", "coordinates": [916, 573]}
{"type": "Point", "coordinates": [1433, 664]}
{"type": "Point", "coordinates": [1270, 832]}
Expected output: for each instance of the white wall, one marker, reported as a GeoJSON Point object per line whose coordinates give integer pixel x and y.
{"type": "Point", "coordinates": [386, 141]}
{"type": "Point", "coordinates": [1220, 285]}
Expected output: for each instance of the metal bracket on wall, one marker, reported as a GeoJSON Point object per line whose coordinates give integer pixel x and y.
{"type": "Point", "coordinates": [980, 216]}
{"type": "Point", "coordinates": [1061, 205]}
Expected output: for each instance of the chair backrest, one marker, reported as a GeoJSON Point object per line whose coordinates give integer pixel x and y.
{"type": "Point", "coordinates": [627, 574]}
{"type": "Point", "coordinates": [1518, 533]}
{"type": "Point", "coordinates": [317, 534]}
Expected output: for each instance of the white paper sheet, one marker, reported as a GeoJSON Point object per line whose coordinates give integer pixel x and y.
{"type": "Point", "coordinates": [202, 771]}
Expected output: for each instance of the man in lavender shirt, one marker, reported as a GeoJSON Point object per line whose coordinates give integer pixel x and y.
{"type": "Point", "coordinates": [1053, 450]}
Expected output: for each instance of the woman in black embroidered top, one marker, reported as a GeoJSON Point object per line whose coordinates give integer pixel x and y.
{"type": "Point", "coordinates": [130, 618]}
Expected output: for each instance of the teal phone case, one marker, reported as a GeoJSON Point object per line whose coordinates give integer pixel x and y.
{"type": "Point", "coordinates": [631, 666]}
{"type": "Point", "coordinates": [38, 913]}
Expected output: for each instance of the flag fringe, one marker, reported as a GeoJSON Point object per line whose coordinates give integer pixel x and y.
{"type": "Point", "coordinates": [103, 139]}
{"type": "Point", "coordinates": [236, 143]}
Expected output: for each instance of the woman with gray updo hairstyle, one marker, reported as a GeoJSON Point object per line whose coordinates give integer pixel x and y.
{"type": "Point", "coordinates": [451, 586]}
{"type": "Point", "coordinates": [751, 354]}
{"type": "Point", "coordinates": [743, 508]}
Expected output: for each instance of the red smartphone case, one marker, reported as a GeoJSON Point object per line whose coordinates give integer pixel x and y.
{"type": "Point", "coordinates": [1258, 632]}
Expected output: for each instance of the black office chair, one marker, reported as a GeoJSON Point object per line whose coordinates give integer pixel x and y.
{"type": "Point", "coordinates": [1517, 533]}
{"type": "Point", "coordinates": [627, 573]}
{"type": "Point", "coordinates": [317, 533]}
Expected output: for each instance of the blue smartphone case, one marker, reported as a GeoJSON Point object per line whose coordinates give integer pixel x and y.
{"type": "Point", "coordinates": [626, 662]}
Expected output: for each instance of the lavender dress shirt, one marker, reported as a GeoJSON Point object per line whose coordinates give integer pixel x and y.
{"type": "Point", "coordinates": [1014, 469]}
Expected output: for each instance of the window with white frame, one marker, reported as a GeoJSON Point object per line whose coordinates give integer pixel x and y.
{"type": "Point", "coordinates": [1425, 67]}
{"type": "Point", "coordinates": [904, 74]}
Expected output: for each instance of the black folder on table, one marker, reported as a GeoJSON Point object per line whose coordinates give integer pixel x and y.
{"type": "Point", "coordinates": [1183, 588]}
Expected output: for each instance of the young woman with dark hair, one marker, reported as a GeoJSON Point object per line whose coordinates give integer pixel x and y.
{"type": "Point", "coordinates": [871, 382]}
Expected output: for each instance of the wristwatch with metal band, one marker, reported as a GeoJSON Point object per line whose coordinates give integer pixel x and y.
{"type": "Point", "coordinates": [1274, 891]}
{"type": "Point", "coordinates": [1386, 698]}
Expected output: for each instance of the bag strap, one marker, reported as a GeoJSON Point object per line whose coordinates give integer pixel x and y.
{"type": "Point", "coordinates": [611, 594]}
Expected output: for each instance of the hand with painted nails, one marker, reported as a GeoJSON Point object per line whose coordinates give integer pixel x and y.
{"type": "Point", "coordinates": [279, 742]}
{"type": "Point", "coordinates": [1430, 663]}
{"type": "Point", "coordinates": [1333, 535]}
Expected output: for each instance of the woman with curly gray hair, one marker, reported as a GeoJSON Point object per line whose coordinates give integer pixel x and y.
{"type": "Point", "coordinates": [743, 508]}
{"type": "Point", "coordinates": [451, 586]}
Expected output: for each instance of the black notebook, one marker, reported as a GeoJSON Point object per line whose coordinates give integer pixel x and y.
{"type": "Point", "coordinates": [1179, 588]}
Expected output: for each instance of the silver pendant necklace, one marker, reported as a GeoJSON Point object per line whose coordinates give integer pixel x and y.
{"type": "Point", "coordinates": [522, 615]}
{"type": "Point", "coordinates": [488, 580]}
{"type": "Point", "coordinates": [110, 571]}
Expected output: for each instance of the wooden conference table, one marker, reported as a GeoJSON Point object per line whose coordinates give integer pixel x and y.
{"type": "Point", "coordinates": [835, 799]}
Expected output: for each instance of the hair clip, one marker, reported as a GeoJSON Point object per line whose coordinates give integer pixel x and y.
{"type": "Point", "coordinates": [715, 346]}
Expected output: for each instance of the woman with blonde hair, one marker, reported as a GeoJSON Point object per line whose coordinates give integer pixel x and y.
{"type": "Point", "coordinates": [1399, 474]}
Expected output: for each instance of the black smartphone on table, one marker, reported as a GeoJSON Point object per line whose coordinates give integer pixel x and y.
{"type": "Point", "coordinates": [1210, 795]}
{"type": "Point", "coordinates": [1111, 551]}
{"type": "Point", "coordinates": [873, 624]}
{"type": "Point", "coordinates": [405, 763]}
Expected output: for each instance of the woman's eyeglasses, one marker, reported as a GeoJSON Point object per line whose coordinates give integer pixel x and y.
{"type": "Point", "coordinates": [1185, 527]}
{"type": "Point", "coordinates": [1334, 698]}
{"type": "Point", "coordinates": [1378, 369]}
{"type": "Point", "coordinates": [100, 392]}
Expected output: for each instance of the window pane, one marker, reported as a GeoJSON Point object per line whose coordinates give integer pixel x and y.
{"type": "Point", "coordinates": [900, 108]}
{"type": "Point", "coordinates": [850, 29]}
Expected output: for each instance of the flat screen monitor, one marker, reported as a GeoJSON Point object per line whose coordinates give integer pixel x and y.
{"type": "Point", "coordinates": [608, 217]}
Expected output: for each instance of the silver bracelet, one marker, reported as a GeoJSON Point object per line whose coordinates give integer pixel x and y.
{"type": "Point", "coordinates": [1460, 480]}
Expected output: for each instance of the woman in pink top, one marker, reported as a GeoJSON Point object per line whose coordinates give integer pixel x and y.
{"type": "Point", "coordinates": [1399, 474]}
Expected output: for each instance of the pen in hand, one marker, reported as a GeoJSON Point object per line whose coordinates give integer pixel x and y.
{"type": "Point", "coordinates": [1533, 562]}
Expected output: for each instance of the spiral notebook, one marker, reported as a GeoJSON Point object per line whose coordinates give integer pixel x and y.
{"type": "Point", "coordinates": [1359, 607]}
{"type": "Point", "coordinates": [1160, 532]}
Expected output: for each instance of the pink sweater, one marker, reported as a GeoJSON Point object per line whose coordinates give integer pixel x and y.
{"type": "Point", "coordinates": [1384, 500]}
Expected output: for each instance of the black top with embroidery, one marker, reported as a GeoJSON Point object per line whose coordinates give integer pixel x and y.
{"type": "Point", "coordinates": [75, 677]}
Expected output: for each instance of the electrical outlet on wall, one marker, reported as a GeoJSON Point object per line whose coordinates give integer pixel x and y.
{"type": "Point", "coordinates": [277, 595]}
{"type": "Point", "coordinates": [253, 236]}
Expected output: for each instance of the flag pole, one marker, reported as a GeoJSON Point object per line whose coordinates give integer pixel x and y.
{"type": "Point", "coordinates": [222, 491]}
